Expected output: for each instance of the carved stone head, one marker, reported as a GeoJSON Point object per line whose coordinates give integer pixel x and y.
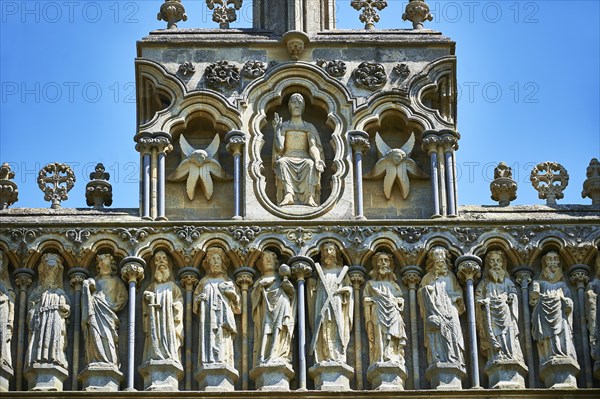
{"type": "Point", "coordinates": [106, 265]}
{"type": "Point", "coordinates": [551, 268]}
{"type": "Point", "coordinates": [267, 263]}
{"type": "Point", "coordinates": [383, 267]}
{"type": "Point", "coordinates": [495, 264]}
{"type": "Point", "coordinates": [162, 267]}
{"type": "Point", "coordinates": [216, 262]}
{"type": "Point", "coordinates": [51, 271]}
{"type": "Point", "coordinates": [296, 104]}
{"type": "Point", "coordinates": [331, 255]}
{"type": "Point", "coordinates": [438, 261]}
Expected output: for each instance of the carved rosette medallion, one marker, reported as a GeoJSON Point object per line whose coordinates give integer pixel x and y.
{"type": "Point", "coordinates": [222, 75]}
{"type": "Point", "coordinates": [56, 180]}
{"type": "Point", "coordinates": [335, 68]}
{"type": "Point", "coordinates": [253, 69]}
{"type": "Point", "coordinates": [403, 72]}
{"type": "Point", "coordinates": [370, 76]}
{"type": "Point", "coordinates": [550, 180]}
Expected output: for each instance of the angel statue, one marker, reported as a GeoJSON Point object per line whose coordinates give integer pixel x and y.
{"type": "Point", "coordinates": [396, 165]}
{"type": "Point", "coordinates": [199, 165]}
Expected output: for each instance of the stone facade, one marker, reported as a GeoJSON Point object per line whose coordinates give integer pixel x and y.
{"type": "Point", "coordinates": [299, 230]}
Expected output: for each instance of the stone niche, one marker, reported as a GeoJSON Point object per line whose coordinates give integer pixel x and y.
{"type": "Point", "coordinates": [395, 130]}
{"type": "Point", "coordinates": [199, 131]}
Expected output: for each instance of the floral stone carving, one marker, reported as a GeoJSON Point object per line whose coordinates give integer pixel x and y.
{"type": "Point", "coordinates": [504, 188]}
{"type": "Point", "coordinates": [98, 192]}
{"type": "Point", "coordinates": [335, 68]}
{"type": "Point", "coordinates": [591, 186]}
{"type": "Point", "coordinates": [370, 76]}
{"type": "Point", "coordinates": [172, 11]}
{"type": "Point", "coordinates": [417, 12]}
{"type": "Point", "coordinates": [199, 166]}
{"type": "Point", "coordinates": [186, 69]}
{"type": "Point", "coordinates": [550, 180]}
{"type": "Point", "coordinates": [222, 75]}
{"type": "Point", "coordinates": [403, 72]}
{"type": "Point", "coordinates": [395, 166]}
{"type": "Point", "coordinates": [222, 14]}
{"type": "Point", "coordinates": [253, 69]}
{"type": "Point", "coordinates": [369, 14]}
{"type": "Point", "coordinates": [9, 192]}
{"type": "Point", "coordinates": [56, 180]}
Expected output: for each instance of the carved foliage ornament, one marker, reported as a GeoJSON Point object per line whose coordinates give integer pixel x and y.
{"type": "Point", "coordinates": [369, 14]}
{"type": "Point", "coordinates": [254, 69]}
{"type": "Point", "coordinates": [403, 72]}
{"type": "Point", "coordinates": [222, 75]}
{"type": "Point", "coordinates": [187, 69]}
{"type": "Point", "coordinates": [550, 180]}
{"type": "Point", "coordinates": [370, 76]}
{"type": "Point", "coordinates": [335, 68]}
{"type": "Point", "coordinates": [222, 13]}
{"type": "Point", "coordinates": [56, 180]}
{"type": "Point", "coordinates": [9, 193]}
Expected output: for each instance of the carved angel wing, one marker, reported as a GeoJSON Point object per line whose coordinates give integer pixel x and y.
{"type": "Point", "coordinates": [403, 181]}
{"type": "Point", "coordinates": [217, 171]}
{"type": "Point", "coordinates": [181, 172]}
{"type": "Point", "coordinates": [378, 170]}
{"type": "Point", "coordinates": [382, 147]}
{"type": "Point", "coordinates": [213, 149]}
{"type": "Point", "coordinates": [186, 148]}
{"type": "Point", "coordinates": [414, 170]}
{"type": "Point", "coordinates": [408, 146]}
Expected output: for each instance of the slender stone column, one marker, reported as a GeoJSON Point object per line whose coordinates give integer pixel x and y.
{"type": "Point", "coordinates": [450, 143]}
{"type": "Point", "coordinates": [411, 277]}
{"type": "Point", "coordinates": [580, 275]}
{"type": "Point", "coordinates": [154, 183]}
{"type": "Point", "coordinates": [430, 143]}
{"type": "Point", "coordinates": [244, 276]}
{"type": "Point", "coordinates": [357, 277]}
{"type": "Point", "coordinates": [23, 279]}
{"type": "Point", "coordinates": [236, 140]}
{"type": "Point", "coordinates": [359, 141]}
{"type": "Point", "coordinates": [302, 267]}
{"type": "Point", "coordinates": [132, 271]}
{"type": "Point", "coordinates": [469, 270]}
{"type": "Point", "coordinates": [76, 275]}
{"type": "Point", "coordinates": [523, 275]}
{"type": "Point", "coordinates": [189, 277]}
{"type": "Point", "coordinates": [163, 146]}
{"type": "Point", "coordinates": [144, 147]}
{"type": "Point", "coordinates": [442, 182]}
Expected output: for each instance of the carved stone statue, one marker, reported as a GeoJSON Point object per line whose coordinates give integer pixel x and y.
{"type": "Point", "coordinates": [552, 325]}
{"type": "Point", "coordinates": [592, 301]}
{"type": "Point", "coordinates": [101, 299]}
{"type": "Point", "coordinates": [216, 301]}
{"type": "Point", "coordinates": [7, 318]}
{"type": "Point", "coordinates": [162, 305]}
{"type": "Point", "coordinates": [331, 308]}
{"type": "Point", "coordinates": [497, 312]}
{"type": "Point", "coordinates": [441, 302]}
{"type": "Point", "coordinates": [46, 361]}
{"type": "Point", "coordinates": [274, 315]}
{"type": "Point", "coordinates": [385, 327]}
{"type": "Point", "coordinates": [298, 158]}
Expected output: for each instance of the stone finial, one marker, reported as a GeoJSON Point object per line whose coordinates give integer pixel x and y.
{"type": "Point", "coordinates": [172, 11]}
{"type": "Point", "coordinates": [56, 180]}
{"type": "Point", "coordinates": [295, 42]}
{"type": "Point", "coordinates": [503, 187]}
{"type": "Point", "coordinates": [98, 192]}
{"type": "Point", "coordinates": [369, 15]}
{"type": "Point", "coordinates": [222, 13]}
{"type": "Point", "coordinates": [9, 192]}
{"type": "Point", "coordinates": [417, 12]}
{"type": "Point", "coordinates": [550, 180]}
{"type": "Point", "coordinates": [591, 186]}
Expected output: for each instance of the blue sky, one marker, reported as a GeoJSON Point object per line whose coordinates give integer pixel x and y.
{"type": "Point", "coordinates": [529, 86]}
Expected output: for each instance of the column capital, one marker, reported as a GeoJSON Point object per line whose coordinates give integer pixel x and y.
{"type": "Point", "coordinates": [523, 274]}
{"type": "Point", "coordinates": [235, 139]}
{"type": "Point", "coordinates": [411, 276]}
{"type": "Point", "coordinates": [357, 276]}
{"type": "Point", "coordinates": [23, 277]}
{"type": "Point", "coordinates": [189, 277]}
{"type": "Point", "coordinates": [147, 141]}
{"type": "Point", "coordinates": [430, 142]}
{"type": "Point", "coordinates": [132, 269]}
{"type": "Point", "coordinates": [579, 275]}
{"type": "Point", "coordinates": [449, 143]}
{"type": "Point", "coordinates": [302, 267]}
{"type": "Point", "coordinates": [359, 141]}
{"type": "Point", "coordinates": [77, 276]}
{"type": "Point", "coordinates": [244, 277]}
{"type": "Point", "coordinates": [469, 268]}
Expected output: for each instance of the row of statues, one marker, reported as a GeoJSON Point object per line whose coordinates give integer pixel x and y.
{"type": "Point", "coordinates": [274, 307]}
